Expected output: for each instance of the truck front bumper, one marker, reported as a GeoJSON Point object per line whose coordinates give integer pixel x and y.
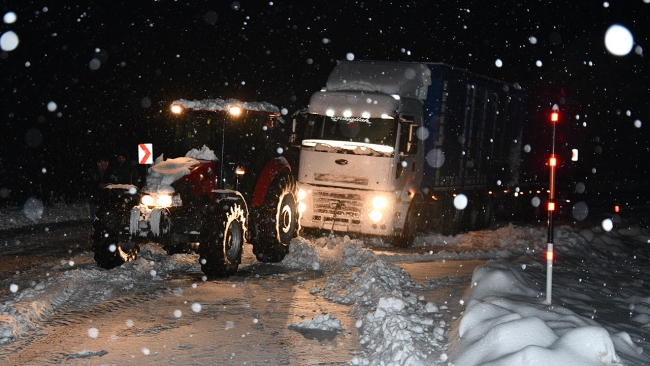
{"type": "Point", "coordinates": [348, 210]}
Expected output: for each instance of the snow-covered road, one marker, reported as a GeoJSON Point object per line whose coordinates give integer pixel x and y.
{"type": "Point", "coordinates": [334, 301]}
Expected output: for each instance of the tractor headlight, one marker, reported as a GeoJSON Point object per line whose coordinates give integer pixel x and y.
{"type": "Point", "coordinates": [164, 200]}
{"type": "Point", "coordinates": [301, 194]}
{"type": "Point", "coordinates": [301, 207]}
{"type": "Point", "coordinates": [147, 200]}
{"type": "Point", "coordinates": [160, 200]}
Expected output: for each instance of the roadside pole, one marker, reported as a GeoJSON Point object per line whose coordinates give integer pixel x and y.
{"type": "Point", "coordinates": [552, 163]}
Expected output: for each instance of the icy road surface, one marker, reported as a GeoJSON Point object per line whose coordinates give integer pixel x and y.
{"type": "Point", "coordinates": [59, 307]}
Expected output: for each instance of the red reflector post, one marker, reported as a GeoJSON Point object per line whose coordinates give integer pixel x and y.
{"type": "Point", "coordinates": [551, 206]}
{"type": "Point", "coordinates": [549, 255]}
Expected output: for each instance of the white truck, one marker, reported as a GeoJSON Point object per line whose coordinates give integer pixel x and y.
{"type": "Point", "coordinates": [387, 147]}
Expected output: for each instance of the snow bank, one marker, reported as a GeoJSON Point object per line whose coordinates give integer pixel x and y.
{"type": "Point", "coordinates": [507, 323]}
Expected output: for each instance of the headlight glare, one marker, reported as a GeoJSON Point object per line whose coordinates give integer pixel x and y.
{"type": "Point", "coordinates": [301, 194]}
{"type": "Point", "coordinates": [147, 200]}
{"type": "Point", "coordinates": [375, 215]}
{"type": "Point", "coordinates": [164, 200]}
{"type": "Point", "coordinates": [379, 203]}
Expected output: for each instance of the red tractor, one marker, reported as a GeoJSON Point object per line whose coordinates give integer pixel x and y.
{"type": "Point", "coordinates": [209, 201]}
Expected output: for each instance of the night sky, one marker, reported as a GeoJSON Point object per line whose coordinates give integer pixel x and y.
{"type": "Point", "coordinates": [112, 68]}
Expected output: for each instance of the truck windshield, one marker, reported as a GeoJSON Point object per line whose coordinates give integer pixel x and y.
{"type": "Point", "coordinates": [354, 129]}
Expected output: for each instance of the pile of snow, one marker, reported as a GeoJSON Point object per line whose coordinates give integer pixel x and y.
{"type": "Point", "coordinates": [325, 322]}
{"type": "Point", "coordinates": [165, 172]}
{"type": "Point", "coordinates": [396, 327]}
{"type": "Point", "coordinates": [225, 105]}
{"type": "Point", "coordinates": [204, 154]}
{"type": "Point", "coordinates": [506, 323]}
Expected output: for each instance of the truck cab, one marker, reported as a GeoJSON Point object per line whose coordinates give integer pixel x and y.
{"type": "Point", "coordinates": [389, 145]}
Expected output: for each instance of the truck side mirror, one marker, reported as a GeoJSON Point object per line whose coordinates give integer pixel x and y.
{"type": "Point", "coordinates": [408, 140]}
{"type": "Point", "coordinates": [412, 146]}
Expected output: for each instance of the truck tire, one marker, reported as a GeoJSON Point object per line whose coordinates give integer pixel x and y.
{"type": "Point", "coordinates": [449, 222]}
{"type": "Point", "coordinates": [111, 242]}
{"type": "Point", "coordinates": [411, 224]}
{"type": "Point", "coordinates": [488, 214]}
{"type": "Point", "coordinates": [222, 239]}
{"type": "Point", "coordinates": [276, 220]}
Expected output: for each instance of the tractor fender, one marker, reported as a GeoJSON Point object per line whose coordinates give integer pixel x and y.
{"type": "Point", "coordinates": [272, 168]}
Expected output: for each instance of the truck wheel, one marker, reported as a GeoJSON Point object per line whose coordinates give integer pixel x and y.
{"type": "Point", "coordinates": [411, 224]}
{"type": "Point", "coordinates": [276, 220]}
{"type": "Point", "coordinates": [474, 220]}
{"type": "Point", "coordinates": [222, 240]}
{"type": "Point", "coordinates": [449, 220]}
{"type": "Point", "coordinates": [111, 243]}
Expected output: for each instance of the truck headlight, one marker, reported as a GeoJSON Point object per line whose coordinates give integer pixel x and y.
{"type": "Point", "coordinates": [301, 207]}
{"type": "Point", "coordinates": [301, 194]}
{"type": "Point", "coordinates": [379, 203]}
{"type": "Point", "coordinates": [147, 200]}
{"type": "Point", "coordinates": [375, 215]}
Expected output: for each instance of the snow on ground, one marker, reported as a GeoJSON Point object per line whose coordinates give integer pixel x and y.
{"type": "Point", "coordinates": [600, 313]}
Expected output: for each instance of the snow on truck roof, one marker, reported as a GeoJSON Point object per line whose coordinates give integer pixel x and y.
{"type": "Point", "coordinates": [406, 79]}
{"type": "Point", "coordinates": [224, 105]}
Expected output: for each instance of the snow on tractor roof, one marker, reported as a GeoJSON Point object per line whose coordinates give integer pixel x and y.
{"type": "Point", "coordinates": [224, 105]}
{"type": "Point", "coordinates": [165, 172]}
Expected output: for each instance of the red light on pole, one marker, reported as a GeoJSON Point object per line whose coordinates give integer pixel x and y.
{"type": "Point", "coordinates": [551, 206]}
{"type": "Point", "coordinates": [552, 163]}
{"type": "Point", "coordinates": [555, 116]}
{"type": "Point", "coordinates": [617, 208]}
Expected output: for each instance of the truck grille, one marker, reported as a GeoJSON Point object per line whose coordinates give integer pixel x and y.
{"type": "Point", "coordinates": [346, 207]}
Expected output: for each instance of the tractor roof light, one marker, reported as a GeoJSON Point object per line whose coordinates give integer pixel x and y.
{"type": "Point", "coordinates": [177, 109]}
{"type": "Point", "coordinates": [235, 110]}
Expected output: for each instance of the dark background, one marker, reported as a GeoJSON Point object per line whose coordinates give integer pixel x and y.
{"type": "Point", "coordinates": [153, 52]}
